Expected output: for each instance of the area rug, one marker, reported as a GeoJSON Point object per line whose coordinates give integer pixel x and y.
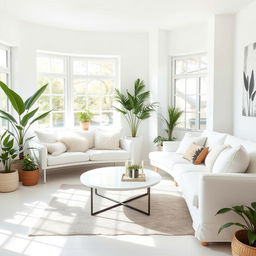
{"type": "Point", "coordinates": [68, 213]}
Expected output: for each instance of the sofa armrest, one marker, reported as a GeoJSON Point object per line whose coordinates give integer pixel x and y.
{"type": "Point", "coordinates": [170, 146]}
{"type": "Point", "coordinates": [218, 191]}
{"type": "Point", "coordinates": [126, 145]}
{"type": "Point", "coordinates": [39, 152]}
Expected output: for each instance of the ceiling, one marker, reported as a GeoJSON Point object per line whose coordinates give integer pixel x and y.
{"type": "Point", "coordinates": [119, 15]}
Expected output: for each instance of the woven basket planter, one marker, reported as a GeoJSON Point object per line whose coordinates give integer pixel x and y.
{"type": "Point", "coordinates": [30, 178]}
{"type": "Point", "coordinates": [239, 245]}
{"type": "Point", "coordinates": [9, 181]}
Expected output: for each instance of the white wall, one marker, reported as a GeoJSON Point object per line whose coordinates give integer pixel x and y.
{"type": "Point", "coordinates": [245, 34]}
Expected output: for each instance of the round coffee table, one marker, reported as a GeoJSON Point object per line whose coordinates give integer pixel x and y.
{"type": "Point", "coordinates": [110, 178]}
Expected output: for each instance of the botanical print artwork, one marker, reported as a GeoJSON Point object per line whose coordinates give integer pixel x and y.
{"type": "Point", "coordinates": [249, 88]}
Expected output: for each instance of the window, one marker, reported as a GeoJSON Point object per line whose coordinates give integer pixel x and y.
{"type": "Point", "coordinates": [76, 84]}
{"type": "Point", "coordinates": [5, 76]}
{"type": "Point", "coordinates": [189, 87]}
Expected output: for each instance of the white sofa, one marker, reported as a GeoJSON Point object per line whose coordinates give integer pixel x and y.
{"type": "Point", "coordinates": [93, 156]}
{"type": "Point", "coordinates": [204, 192]}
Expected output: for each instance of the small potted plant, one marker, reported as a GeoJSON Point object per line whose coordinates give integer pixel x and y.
{"type": "Point", "coordinates": [85, 118]}
{"type": "Point", "coordinates": [133, 171]}
{"type": "Point", "coordinates": [30, 172]}
{"type": "Point", "coordinates": [9, 178]}
{"type": "Point", "coordinates": [244, 240]}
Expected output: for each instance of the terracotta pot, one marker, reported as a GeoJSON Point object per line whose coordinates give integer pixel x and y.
{"type": "Point", "coordinates": [18, 165]}
{"type": "Point", "coordinates": [240, 245]}
{"type": "Point", "coordinates": [9, 181]}
{"type": "Point", "coordinates": [85, 125]}
{"type": "Point", "coordinates": [30, 178]}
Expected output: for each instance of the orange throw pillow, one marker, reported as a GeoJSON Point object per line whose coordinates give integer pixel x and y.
{"type": "Point", "coordinates": [200, 156]}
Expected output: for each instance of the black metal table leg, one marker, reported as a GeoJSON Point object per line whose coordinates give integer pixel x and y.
{"type": "Point", "coordinates": [124, 203]}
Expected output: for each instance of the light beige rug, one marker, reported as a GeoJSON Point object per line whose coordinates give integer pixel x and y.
{"type": "Point", "coordinates": [68, 213]}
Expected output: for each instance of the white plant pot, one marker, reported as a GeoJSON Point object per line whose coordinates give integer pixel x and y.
{"type": "Point", "coordinates": [9, 181]}
{"type": "Point", "coordinates": [136, 149]}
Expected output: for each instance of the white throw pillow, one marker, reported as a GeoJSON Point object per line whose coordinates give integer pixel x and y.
{"type": "Point", "coordinates": [46, 136]}
{"type": "Point", "coordinates": [232, 160]}
{"type": "Point", "coordinates": [214, 138]}
{"type": "Point", "coordinates": [55, 148]}
{"type": "Point", "coordinates": [107, 140]}
{"type": "Point", "coordinates": [213, 154]}
{"type": "Point", "coordinates": [74, 142]}
{"type": "Point", "coordinates": [188, 140]}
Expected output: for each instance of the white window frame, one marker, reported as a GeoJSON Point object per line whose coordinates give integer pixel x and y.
{"type": "Point", "coordinates": [68, 80]}
{"type": "Point", "coordinates": [7, 71]}
{"type": "Point", "coordinates": [198, 75]}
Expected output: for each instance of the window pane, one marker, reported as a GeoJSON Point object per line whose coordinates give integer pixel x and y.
{"type": "Point", "coordinates": [45, 122]}
{"type": "Point", "coordinates": [101, 68]}
{"type": "Point", "coordinates": [202, 123]}
{"type": "Point", "coordinates": [95, 103]}
{"type": "Point", "coordinates": [180, 103]}
{"type": "Point", "coordinates": [57, 85]}
{"type": "Point", "coordinates": [191, 103]}
{"type": "Point", "coordinates": [191, 86]}
{"type": "Point", "coordinates": [203, 85]}
{"type": "Point", "coordinates": [3, 101]}
{"type": "Point", "coordinates": [107, 118]}
{"type": "Point", "coordinates": [79, 103]}
{"type": "Point", "coordinates": [58, 119]}
{"type": "Point", "coordinates": [100, 87]}
{"type": "Point", "coordinates": [80, 67]}
{"type": "Point", "coordinates": [50, 64]}
{"type": "Point", "coordinates": [80, 86]}
{"type": "Point", "coordinates": [181, 123]}
{"type": "Point", "coordinates": [192, 65]}
{"type": "Point", "coordinates": [107, 103]}
{"type": "Point", "coordinates": [44, 103]}
{"type": "Point", "coordinates": [3, 58]}
{"type": "Point", "coordinates": [203, 63]}
{"type": "Point", "coordinates": [57, 103]}
{"type": "Point", "coordinates": [180, 87]}
{"type": "Point", "coordinates": [191, 120]}
{"type": "Point", "coordinates": [180, 67]}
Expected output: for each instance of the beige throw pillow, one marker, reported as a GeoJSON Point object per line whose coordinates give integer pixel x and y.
{"type": "Point", "coordinates": [74, 142]}
{"type": "Point", "coordinates": [107, 140]}
{"type": "Point", "coordinates": [191, 151]}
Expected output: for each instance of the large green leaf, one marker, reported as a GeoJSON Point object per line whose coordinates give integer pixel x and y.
{"type": "Point", "coordinates": [230, 224]}
{"type": "Point", "coordinates": [40, 117]}
{"type": "Point", "coordinates": [31, 100]}
{"type": "Point", "coordinates": [9, 116]}
{"type": "Point", "coordinates": [14, 98]}
{"type": "Point", "coordinates": [27, 117]}
{"type": "Point", "coordinates": [223, 210]}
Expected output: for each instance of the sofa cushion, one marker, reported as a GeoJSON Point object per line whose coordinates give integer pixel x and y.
{"type": "Point", "coordinates": [249, 146]}
{"type": "Point", "coordinates": [55, 148]}
{"type": "Point", "coordinates": [107, 139]}
{"type": "Point", "coordinates": [214, 138]}
{"type": "Point", "coordinates": [213, 155]}
{"type": "Point", "coordinates": [46, 136]}
{"type": "Point", "coordinates": [89, 135]}
{"type": "Point", "coordinates": [188, 140]}
{"type": "Point", "coordinates": [180, 169]}
{"type": "Point", "coordinates": [74, 142]}
{"type": "Point", "coordinates": [232, 160]}
{"type": "Point", "coordinates": [167, 159]}
{"type": "Point", "coordinates": [104, 155]}
{"type": "Point", "coordinates": [67, 158]}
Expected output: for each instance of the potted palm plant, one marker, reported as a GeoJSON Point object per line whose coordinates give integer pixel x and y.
{"type": "Point", "coordinates": [30, 172]}
{"type": "Point", "coordinates": [171, 122]}
{"type": "Point", "coordinates": [85, 118]}
{"type": "Point", "coordinates": [9, 178]}
{"type": "Point", "coordinates": [25, 118]}
{"type": "Point", "coordinates": [135, 108]}
{"type": "Point", "coordinates": [244, 240]}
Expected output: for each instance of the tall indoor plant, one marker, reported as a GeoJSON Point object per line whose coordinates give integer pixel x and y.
{"type": "Point", "coordinates": [9, 178]}
{"type": "Point", "coordinates": [171, 122]}
{"type": "Point", "coordinates": [135, 108]}
{"type": "Point", "coordinates": [244, 240]}
{"type": "Point", "coordinates": [24, 115]}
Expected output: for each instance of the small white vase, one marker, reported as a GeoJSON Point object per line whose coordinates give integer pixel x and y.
{"type": "Point", "coordinates": [136, 148]}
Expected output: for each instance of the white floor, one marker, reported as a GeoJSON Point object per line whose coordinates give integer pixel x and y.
{"type": "Point", "coordinates": [16, 218]}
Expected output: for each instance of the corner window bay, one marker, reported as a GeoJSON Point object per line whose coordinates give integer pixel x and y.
{"type": "Point", "coordinates": [189, 90]}
{"type": "Point", "coordinates": [77, 84]}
